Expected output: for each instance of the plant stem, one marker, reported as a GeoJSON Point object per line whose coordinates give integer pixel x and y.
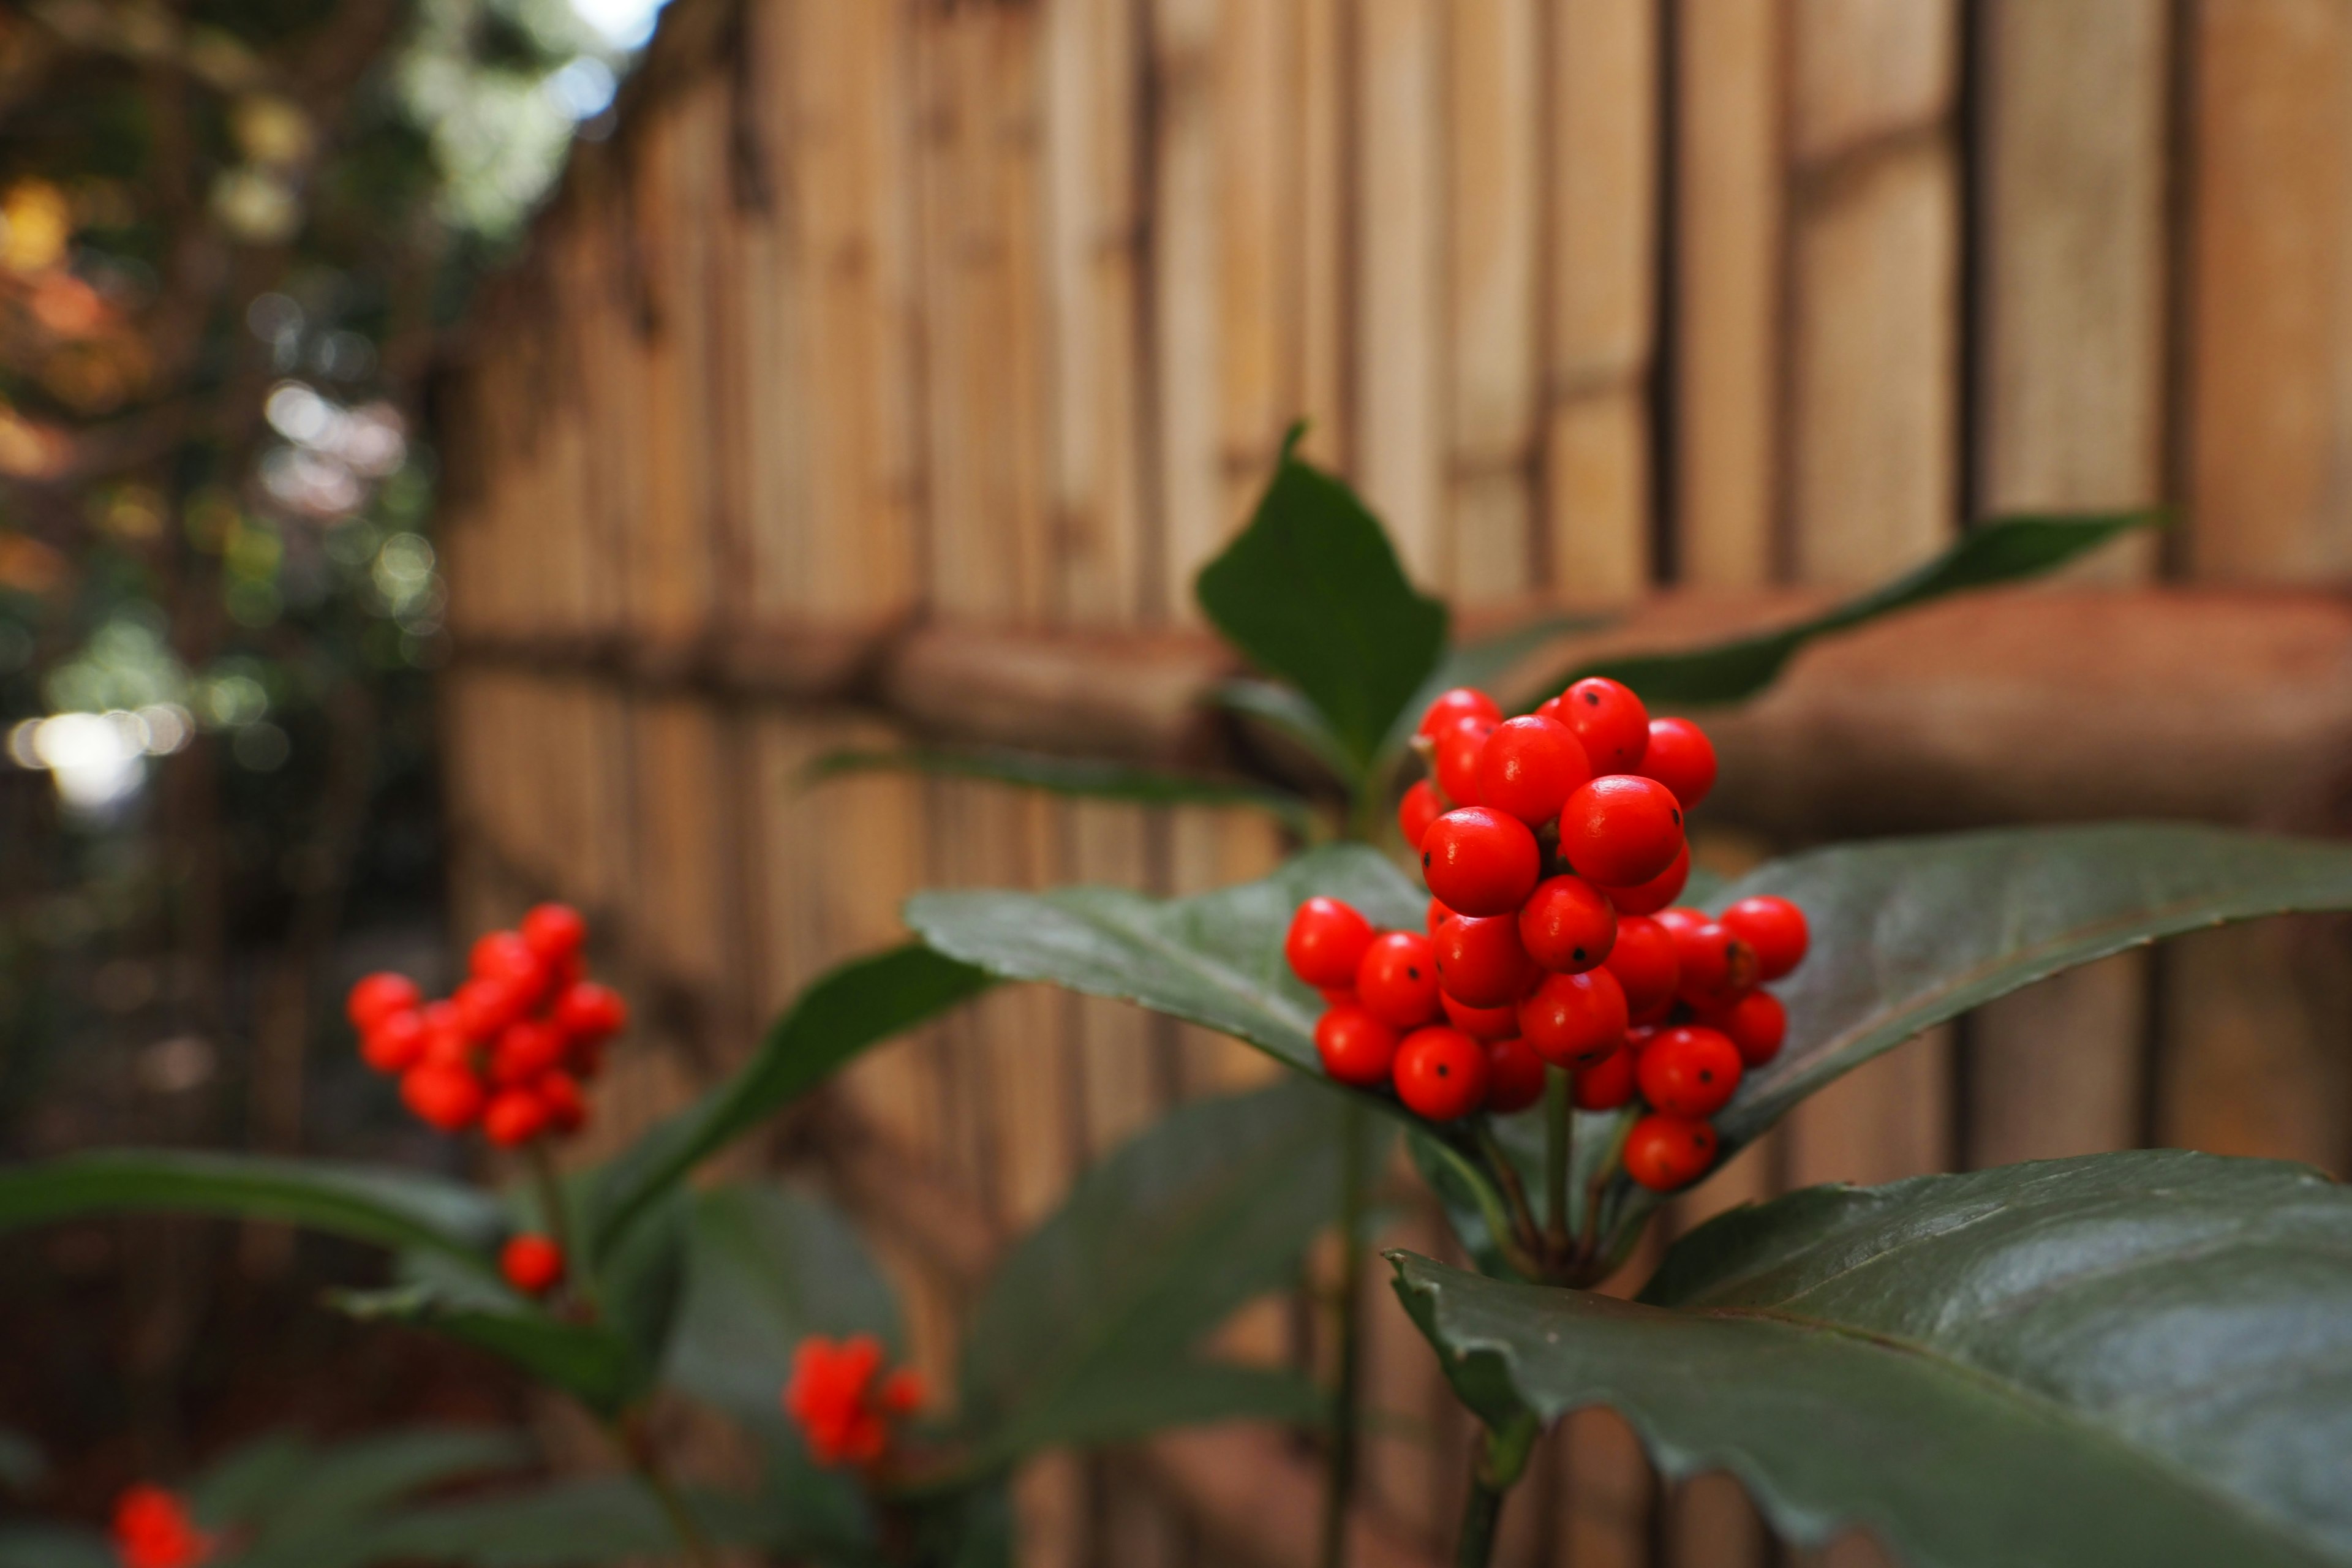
{"type": "Point", "coordinates": [645, 1460]}
{"type": "Point", "coordinates": [557, 1212]}
{"type": "Point", "coordinates": [1500, 1460]}
{"type": "Point", "coordinates": [1480, 1512]}
{"type": "Point", "coordinates": [1559, 1157]}
{"type": "Point", "coordinates": [1339, 1477]}
{"type": "Point", "coordinates": [1515, 1193]}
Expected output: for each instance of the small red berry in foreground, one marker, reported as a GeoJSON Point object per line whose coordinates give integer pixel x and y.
{"type": "Point", "coordinates": [1437, 915]}
{"type": "Point", "coordinates": [1356, 1046]}
{"type": "Point", "coordinates": [1716, 966]}
{"type": "Point", "coordinates": [152, 1528]}
{"type": "Point", "coordinates": [1440, 1074]}
{"type": "Point", "coordinates": [843, 1411]}
{"type": "Point", "coordinates": [395, 1043]}
{"type": "Point", "coordinates": [532, 1264]}
{"type": "Point", "coordinates": [1528, 767]}
{"type": "Point", "coordinates": [513, 1116]}
{"type": "Point", "coordinates": [1515, 1076]}
{"type": "Point", "coordinates": [1327, 941]}
{"type": "Point", "coordinates": [1661, 891]}
{"type": "Point", "coordinates": [1480, 961]}
{"type": "Point", "coordinates": [1607, 1083]}
{"type": "Point", "coordinates": [1642, 960]}
{"type": "Point", "coordinates": [1481, 1022]}
{"type": "Point", "coordinates": [591, 1012]}
{"type": "Point", "coordinates": [1462, 702]}
{"type": "Point", "coordinates": [1690, 1072]}
{"type": "Point", "coordinates": [1774, 928]}
{"type": "Point", "coordinates": [378, 996]}
{"type": "Point", "coordinates": [1398, 979]}
{"type": "Point", "coordinates": [1664, 1152]}
{"type": "Point", "coordinates": [1611, 723]}
{"type": "Point", "coordinates": [1459, 747]}
{"type": "Point", "coordinates": [559, 1095]}
{"type": "Point", "coordinates": [1757, 1023]}
{"type": "Point", "coordinates": [554, 931]}
{"type": "Point", "coordinates": [1566, 925]}
{"type": "Point", "coordinates": [1680, 757]}
{"type": "Point", "coordinates": [1480, 861]}
{"type": "Point", "coordinates": [1619, 830]}
{"type": "Point", "coordinates": [1416, 811]}
{"type": "Point", "coordinates": [447, 1099]}
{"type": "Point", "coordinates": [1575, 1020]}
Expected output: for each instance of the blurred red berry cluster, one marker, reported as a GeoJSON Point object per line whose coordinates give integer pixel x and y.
{"type": "Point", "coordinates": [511, 1048]}
{"type": "Point", "coordinates": [842, 1400]}
{"type": "Point", "coordinates": [1554, 846]}
{"type": "Point", "coordinates": [152, 1528]}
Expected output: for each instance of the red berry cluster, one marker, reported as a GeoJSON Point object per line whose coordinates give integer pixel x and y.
{"type": "Point", "coordinates": [511, 1047]}
{"type": "Point", "coordinates": [1554, 845]}
{"type": "Point", "coordinates": [844, 1402]}
{"type": "Point", "coordinates": [152, 1528]}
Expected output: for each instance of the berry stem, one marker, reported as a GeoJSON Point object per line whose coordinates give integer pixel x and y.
{"type": "Point", "coordinates": [645, 1459]}
{"type": "Point", "coordinates": [1559, 1157]}
{"type": "Point", "coordinates": [1339, 1477]}
{"type": "Point", "coordinates": [557, 1212]}
{"type": "Point", "coordinates": [1525, 1237]}
{"type": "Point", "coordinates": [1495, 1469]}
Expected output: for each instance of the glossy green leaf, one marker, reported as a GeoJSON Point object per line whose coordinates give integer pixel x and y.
{"type": "Point", "coordinates": [1092, 1329]}
{"type": "Point", "coordinates": [1285, 711]}
{"type": "Point", "coordinates": [2138, 1360]}
{"type": "Point", "coordinates": [389, 1207]}
{"type": "Point", "coordinates": [1091, 778]}
{"type": "Point", "coordinates": [593, 1363]}
{"type": "Point", "coordinates": [850, 1008]}
{"type": "Point", "coordinates": [2004, 550]}
{"type": "Point", "coordinates": [1311, 591]}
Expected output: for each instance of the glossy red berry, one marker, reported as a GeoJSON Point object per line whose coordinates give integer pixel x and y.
{"type": "Point", "coordinates": [1575, 1020]}
{"type": "Point", "coordinates": [1680, 757]}
{"type": "Point", "coordinates": [1357, 1046]}
{"type": "Point", "coordinates": [1644, 962]}
{"type": "Point", "coordinates": [559, 1097]}
{"type": "Point", "coordinates": [1327, 941]}
{"type": "Point", "coordinates": [1417, 810]}
{"type": "Point", "coordinates": [1716, 967]}
{"type": "Point", "coordinates": [446, 1040]}
{"type": "Point", "coordinates": [532, 1264]}
{"type": "Point", "coordinates": [1566, 925]}
{"type": "Point", "coordinates": [1528, 767]}
{"type": "Point", "coordinates": [1437, 915]}
{"type": "Point", "coordinates": [513, 1116]}
{"type": "Point", "coordinates": [1611, 723]}
{"type": "Point", "coordinates": [378, 998]}
{"type": "Point", "coordinates": [1480, 1023]}
{"type": "Point", "coordinates": [1606, 1084]}
{"type": "Point", "coordinates": [1757, 1023]}
{"type": "Point", "coordinates": [504, 955]}
{"type": "Point", "coordinates": [1515, 1076]}
{"type": "Point", "coordinates": [1480, 961]}
{"type": "Point", "coordinates": [1690, 1071]}
{"type": "Point", "coordinates": [1774, 928]}
{"type": "Point", "coordinates": [591, 1012]}
{"type": "Point", "coordinates": [1657, 893]}
{"type": "Point", "coordinates": [1336, 995]}
{"type": "Point", "coordinates": [1667, 1153]}
{"type": "Point", "coordinates": [554, 931]}
{"type": "Point", "coordinates": [1459, 747]}
{"type": "Point", "coordinates": [396, 1043]}
{"type": "Point", "coordinates": [1480, 861]}
{"type": "Point", "coordinates": [1621, 830]}
{"type": "Point", "coordinates": [447, 1099]}
{"type": "Point", "coordinates": [527, 1049]}
{"type": "Point", "coordinates": [1398, 979]}
{"type": "Point", "coordinates": [1462, 702]}
{"type": "Point", "coordinates": [1440, 1074]}
{"type": "Point", "coordinates": [483, 1007]}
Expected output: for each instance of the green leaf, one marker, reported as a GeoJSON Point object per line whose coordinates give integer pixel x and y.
{"type": "Point", "coordinates": [1092, 1329]}
{"type": "Point", "coordinates": [1999, 552]}
{"type": "Point", "coordinates": [22, 1463]}
{"type": "Point", "coordinates": [1311, 591]}
{"type": "Point", "coordinates": [1287, 711]}
{"type": "Point", "coordinates": [851, 1006]}
{"type": "Point", "coordinates": [1481, 663]}
{"type": "Point", "coordinates": [389, 1207]}
{"type": "Point", "coordinates": [303, 1509]}
{"type": "Point", "coordinates": [54, 1546]}
{"type": "Point", "coordinates": [641, 1284]}
{"type": "Point", "coordinates": [2123, 1360]}
{"type": "Point", "coordinates": [1088, 777]}
{"type": "Point", "coordinates": [604, 1518]}
{"type": "Point", "coordinates": [592, 1362]}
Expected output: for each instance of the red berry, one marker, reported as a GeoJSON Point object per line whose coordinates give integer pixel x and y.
{"type": "Point", "coordinates": [1566, 925]}
{"type": "Point", "coordinates": [1336, 995]}
{"type": "Point", "coordinates": [1437, 916]}
{"type": "Point", "coordinates": [1462, 702]}
{"type": "Point", "coordinates": [1356, 1046]}
{"type": "Point", "coordinates": [1774, 928]}
{"type": "Point", "coordinates": [514, 1116]}
{"type": "Point", "coordinates": [1664, 1152]}
{"type": "Point", "coordinates": [1757, 1023]}
{"type": "Point", "coordinates": [1575, 1020]}
{"type": "Point", "coordinates": [1529, 766]}
{"type": "Point", "coordinates": [532, 1264]}
{"type": "Point", "coordinates": [1417, 810]}
{"type": "Point", "coordinates": [1680, 757]}
{"type": "Point", "coordinates": [1480, 1023]}
{"type": "Point", "coordinates": [1327, 941]}
{"type": "Point", "coordinates": [527, 1049]}
{"type": "Point", "coordinates": [558, 1094]}
{"type": "Point", "coordinates": [1515, 1076]}
{"type": "Point", "coordinates": [1606, 1084]}
{"type": "Point", "coordinates": [591, 1012]}
{"type": "Point", "coordinates": [503, 955]}
{"type": "Point", "coordinates": [554, 931]}
{"type": "Point", "coordinates": [1619, 830]}
{"type": "Point", "coordinates": [1716, 967]}
{"type": "Point", "coordinates": [378, 998]}
{"type": "Point", "coordinates": [1440, 1074]}
{"type": "Point", "coordinates": [446, 1040]}
{"type": "Point", "coordinates": [1611, 723]}
{"type": "Point", "coordinates": [1459, 747]}
{"type": "Point", "coordinates": [1480, 961]}
{"type": "Point", "coordinates": [152, 1528]}
{"type": "Point", "coordinates": [1644, 963]}
{"type": "Point", "coordinates": [447, 1099]}
{"type": "Point", "coordinates": [1551, 708]}
{"type": "Point", "coordinates": [396, 1043]}
{"type": "Point", "coordinates": [1398, 979]}
{"type": "Point", "coordinates": [1689, 1071]}
{"type": "Point", "coordinates": [1480, 861]}
{"type": "Point", "coordinates": [1650, 897]}
{"type": "Point", "coordinates": [486, 1006]}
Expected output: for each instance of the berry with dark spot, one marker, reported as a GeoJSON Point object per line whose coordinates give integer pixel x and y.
{"type": "Point", "coordinates": [1666, 1154]}
{"type": "Point", "coordinates": [1481, 962]}
{"type": "Point", "coordinates": [1610, 722]}
{"type": "Point", "coordinates": [1398, 979]}
{"type": "Point", "coordinates": [1528, 767]}
{"type": "Point", "coordinates": [1440, 1074]}
{"type": "Point", "coordinates": [1690, 1071]}
{"type": "Point", "coordinates": [1575, 1020]}
{"type": "Point", "coordinates": [1480, 861]}
{"type": "Point", "coordinates": [1619, 830]}
{"type": "Point", "coordinates": [1566, 925]}
{"type": "Point", "coordinates": [1774, 928]}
